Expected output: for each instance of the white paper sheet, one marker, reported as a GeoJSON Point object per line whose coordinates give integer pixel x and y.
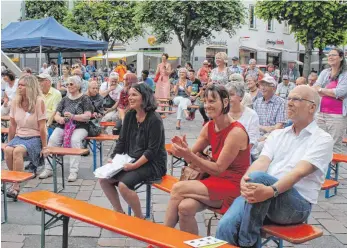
{"type": "Point", "coordinates": [111, 169]}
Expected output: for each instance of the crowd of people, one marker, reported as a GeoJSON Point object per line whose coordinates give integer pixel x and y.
{"type": "Point", "coordinates": [265, 144]}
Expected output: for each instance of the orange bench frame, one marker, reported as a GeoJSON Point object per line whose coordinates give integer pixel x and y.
{"type": "Point", "coordinates": [66, 208]}
{"type": "Point", "coordinates": [295, 234]}
{"type": "Point", "coordinates": [12, 177]}
{"type": "Point", "coordinates": [333, 166]}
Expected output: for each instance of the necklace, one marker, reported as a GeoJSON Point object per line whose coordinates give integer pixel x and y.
{"type": "Point", "coordinates": [253, 90]}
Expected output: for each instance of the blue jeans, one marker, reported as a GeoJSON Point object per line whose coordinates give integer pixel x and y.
{"type": "Point", "coordinates": [241, 224]}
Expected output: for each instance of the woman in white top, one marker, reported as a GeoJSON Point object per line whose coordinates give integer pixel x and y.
{"type": "Point", "coordinates": [245, 115]}
{"type": "Point", "coordinates": [10, 88]}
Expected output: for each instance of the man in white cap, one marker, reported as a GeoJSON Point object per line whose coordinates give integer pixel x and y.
{"type": "Point", "coordinates": [235, 67]}
{"type": "Point", "coordinates": [285, 87]}
{"type": "Point", "coordinates": [51, 96]}
{"type": "Point", "coordinates": [270, 109]}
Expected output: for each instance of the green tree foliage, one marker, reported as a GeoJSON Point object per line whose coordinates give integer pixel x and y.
{"type": "Point", "coordinates": [110, 21]}
{"type": "Point", "coordinates": [313, 22]}
{"type": "Point", "coordinates": [191, 21]}
{"type": "Point", "coordinates": [43, 8]}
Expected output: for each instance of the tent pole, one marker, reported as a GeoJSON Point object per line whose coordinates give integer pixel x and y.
{"type": "Point", "coordinates": [40, 65]}
{"type": "Point", "coordinates": [107, 60]}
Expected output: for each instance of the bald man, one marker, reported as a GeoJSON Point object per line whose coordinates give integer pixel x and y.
{"type": "Point", "coordinates": [284, 182]}
{"type": "Point", "coordinates": [300, 81]}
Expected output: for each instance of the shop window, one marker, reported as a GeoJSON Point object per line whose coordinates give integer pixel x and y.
{"type": "Point", "coordinates": [286, 27]}
{"type": "Point", "coordinates": [252, 19]}
{"type": "Point", "coordinates": [270, 25]}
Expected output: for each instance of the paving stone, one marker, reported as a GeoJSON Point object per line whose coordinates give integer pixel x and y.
{"type": "Point", "coordinates": [333, 226]}
{"type": "Point", "coordinates": [321, 215]}
{"type": "Point", "coordinates": [71, 189]}
{"type": "Point", "coordinates": [342, 238]}
{"type": "Point", "coordinates": [31, 229]}
{"type": "Point", "coordinates": [12, 238]}
{"type": "Point", "coordinates": [86, 231]}
{"type": "Point", "coordinates": [97, 193]}
{"type": "Point", "coordinates": [135, 243]}
{"type": "Point", "coordinates": [11, 245]}
{"type": "Point", "coordinates": [83, 195]}
{"type": "Point", "coordinates": [159, 207]}
{"type": "Point", "coordinates": [32, 183]}
{"type": "Point", "coordinates": [108, 234]}
{"type": "Point", "coordinates": [88, 182]}
{"type": "Point", "coordinates": [112, 242]}
{"type": "Point", "coordinates": [85, 188]}
{"type": "Point", "coordinates": [57, 231]}
{"type": "Point", "coordinates": [48, 180]}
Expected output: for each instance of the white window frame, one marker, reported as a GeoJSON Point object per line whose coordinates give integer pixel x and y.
{"type": "Point", "coordinates": [286, 27]}
{"type": "Point", "coordinates": [253, 18]}
{"type": "Point", "coordinates": [271, 24]}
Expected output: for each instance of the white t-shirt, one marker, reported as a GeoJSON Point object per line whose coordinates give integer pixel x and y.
{"type": "Point", "coordinates": [285, 150]}
{"type": "Point", "coordinates": [114, 94]}
{"type": "Point", "coordinates": [250, 120]}
{"type": "Point", "coordinates": [11, 92]}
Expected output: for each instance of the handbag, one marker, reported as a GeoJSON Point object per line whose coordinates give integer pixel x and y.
{"type": "Point", "coordinates": [68, 130]}
{"type": "Point", "coordinates": [188, 173]}
{"type": "Point", "coordinates": [94, 128]}
{"type": "Point", "coordinates": [108, 102]}
{"type": "Point", "coordinates": [156, 78]}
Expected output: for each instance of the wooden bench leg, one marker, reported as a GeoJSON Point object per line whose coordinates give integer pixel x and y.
{"type": "Point", "coordinates": [94, 155]}
{"type": "Point", "coordinates": [53, 165]}
{"type": "Point", "coordinates": [277, 241]}
{"type": "Point", "coordinates": [334, 168]}
{"type": "Point", "coordinates": [51, 223]}
{"type": "Point", "coordinates": [5, 202]}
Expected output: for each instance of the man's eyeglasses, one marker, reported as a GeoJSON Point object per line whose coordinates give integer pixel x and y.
{"type": "Point", "coordinates": [69, 84]}
{"type": "Point", "coordinates": [333, 55]}
{"type": "Point", "coordinates": [299, 99]}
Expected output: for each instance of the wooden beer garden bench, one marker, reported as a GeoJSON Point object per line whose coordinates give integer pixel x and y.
{"type": "Point", "coordinates": [107, 124]}
{"type": "Point", "coordinates": [97, 145]}
{"type": "Point", "coordinates": [56, 157]}
{"type": "Point", "coordinates": [4, 120]}
{"type": "Point", "coordinates": [139, 229]}
{"type": "Point", "coordinates": [344, 141]}
{"type": "Point", "coordinates": [332, 183]}
{"type": "Point", "coordinates": [295, 234]}
{"type": "Point", "coordinates": [8, 176]}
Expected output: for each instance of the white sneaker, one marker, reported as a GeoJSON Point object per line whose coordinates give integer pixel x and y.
{"type": "Point", "coordinates": [72, 177]}
{"type": "Point", "coordinates": [45, 174]}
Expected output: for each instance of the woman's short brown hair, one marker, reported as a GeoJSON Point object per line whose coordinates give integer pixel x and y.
{"type": "Point", "coordinates": [222, 92]}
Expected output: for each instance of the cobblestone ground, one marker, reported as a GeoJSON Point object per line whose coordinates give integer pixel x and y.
{"type": "Point", "coordinates": [23, 227]}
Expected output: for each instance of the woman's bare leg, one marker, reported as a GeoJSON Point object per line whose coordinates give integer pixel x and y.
{"type": "Point", "coordinates": [111, 193]}
{"type": "Point", "coordinates": [9, 157]}
{"type": "Point", "coordinates": [19, 153]}
{"type": "Point", "coordinates": [131, 197]}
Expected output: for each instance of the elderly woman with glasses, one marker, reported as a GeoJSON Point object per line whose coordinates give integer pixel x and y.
{"type": "Point", "coordinates": [84, 84]}
{"type": "Point", "coordinates": [75, 107]}
{"type": "Point", "coordinates": [182, 90]}
{"type": "Point", "coordinates": [243, 114]}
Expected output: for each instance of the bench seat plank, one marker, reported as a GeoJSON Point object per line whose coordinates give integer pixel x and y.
{"type": "Point", "coordinates": [344, 140]}
{"type": "Point", "coordinates": [67, 151]}
{"type": "Point", "coordinates": [103, 137]}
{"type": "Point", "coordinates": [295, 234]}
{"type": "Point", "coordinates": [337, 158]}
{"type": "Point", "coordinates": [166, 183]}
{"type": "Point", "coordinates": [146, 231]}
{"type": "Point", "coordinates": [5, 130]}
{"type": "Point", "coordinates": [107, 124]}
{"type": "Point", "coordinates": [5, 118]}
{"type": "Point", "coordinates": [15, 176]}
{"type": "Point", "coordinates": [328, 184]}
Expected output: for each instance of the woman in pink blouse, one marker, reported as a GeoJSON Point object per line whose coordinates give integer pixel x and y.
{"type": "Point", "coordinates": [162, 89]}
{"type": "Point", "coordinates": [332, 87]}
{"type": "Point", "coordinates": [27, 133]}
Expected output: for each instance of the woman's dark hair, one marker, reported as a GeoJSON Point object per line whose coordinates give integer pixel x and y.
{"type": "Point", "coordinates": [148, 100]}
{"type": "Point", "coordinates": [343, 65]}
{"type": "Point", "coordinates": [166, 55]}
{"type": "Point", "coordinates": [9, 74]}
{"type": "Point", "coordinates": [190, 65]}
{"type": "Point", "coordinates": [27, 70]}
{"type": "Point", "coordinates": [221, 91]}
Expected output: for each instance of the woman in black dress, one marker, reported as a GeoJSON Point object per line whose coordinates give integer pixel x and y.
{"type": "Point", "coordinates": [142, 138]}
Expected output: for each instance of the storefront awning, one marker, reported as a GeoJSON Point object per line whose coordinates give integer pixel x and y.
{"type": "Point", "coordinates": [278, 49]}
{"type": "Point", "coordinates": [255, 49]}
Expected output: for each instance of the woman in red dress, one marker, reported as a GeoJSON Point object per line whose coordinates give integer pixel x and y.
{"type": "Point", "coordinates": [230, 160]}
